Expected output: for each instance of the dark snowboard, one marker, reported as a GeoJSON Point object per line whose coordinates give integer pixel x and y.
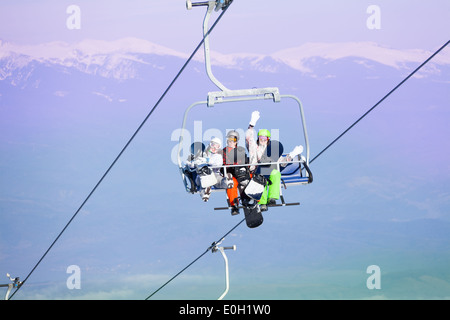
{"type": "Point", "coordinates": [253, 216]}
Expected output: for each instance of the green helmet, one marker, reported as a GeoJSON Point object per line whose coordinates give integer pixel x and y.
{"type": "Point", "coordinates": [264, 133]}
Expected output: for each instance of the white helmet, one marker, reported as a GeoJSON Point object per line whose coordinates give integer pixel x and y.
{"type": "Point", "coordinates": [217, 140]}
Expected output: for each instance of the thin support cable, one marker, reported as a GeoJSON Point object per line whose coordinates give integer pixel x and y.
{"type": "Point", "coordinates": [380, 101]}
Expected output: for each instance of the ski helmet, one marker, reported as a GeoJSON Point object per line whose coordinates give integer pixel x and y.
{"type": "Point", "coordinates": [233, 133]}
{"type": "Point", "coordinates": [264, 133]}
{"type": "Point", "coordinates": [216, 140]}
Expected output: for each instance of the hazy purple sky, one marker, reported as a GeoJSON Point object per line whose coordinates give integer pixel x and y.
{"type": "Point", "coordinates": [380, 195]}
{"type": "Point", "coordinates": [250, 25]}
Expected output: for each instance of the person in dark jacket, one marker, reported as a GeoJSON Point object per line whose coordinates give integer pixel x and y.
{"type": "Point", "coordinates": [235, 155]}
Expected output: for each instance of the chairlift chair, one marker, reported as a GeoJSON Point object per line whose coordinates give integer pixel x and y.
{"type": "Point", "coordinates": [297, 172]}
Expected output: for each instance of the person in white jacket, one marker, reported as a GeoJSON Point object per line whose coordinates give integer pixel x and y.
{"type": "Point", "coordinates": [257, 149]}
{"type": "Point", "coordinates": [207, 177]}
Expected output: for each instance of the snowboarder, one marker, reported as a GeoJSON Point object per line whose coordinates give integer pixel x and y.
{"type": "Point", "coordinates": [258, 153]}
{"type": "Point", "coordinates": [235, 155]}
{"type": "Point", "coordinates": [205, 176]}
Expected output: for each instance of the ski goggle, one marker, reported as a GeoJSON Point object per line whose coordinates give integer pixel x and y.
{"type": "Point", "coordinates": [264, 138]}
{"type": "Point", "coordinates": [234, 139]}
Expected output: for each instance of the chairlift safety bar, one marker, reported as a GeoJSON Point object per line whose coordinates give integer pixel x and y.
{"type": "Point", "coordinates": [305, 180]}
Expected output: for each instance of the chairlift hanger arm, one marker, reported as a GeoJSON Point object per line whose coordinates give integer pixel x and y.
{"type": "Point", "coordinates": [219, 4]}
{"type": "Point", "coordinates": [214, 248]}
{"type": "Point", "coordinates": [15, 283]}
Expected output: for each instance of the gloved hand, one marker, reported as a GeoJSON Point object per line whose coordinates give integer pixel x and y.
{"type": "Point", "coordinates": [297, 150]}
{"type": "Point", "coordinates": [254, 118]}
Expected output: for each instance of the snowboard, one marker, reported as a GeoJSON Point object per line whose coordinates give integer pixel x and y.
{"type": "Point", "coordinates": [253, 215]}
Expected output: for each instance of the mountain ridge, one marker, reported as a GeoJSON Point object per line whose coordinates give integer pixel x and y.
{"type": "Point", "coordinates": [122, 58]}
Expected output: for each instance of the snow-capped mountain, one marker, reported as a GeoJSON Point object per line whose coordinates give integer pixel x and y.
{"type": "Point", "coordinates": [359, 51]}
{"type": "Point", "coordinates": [114, 59]}
{"type": "Point", "coordinates": [124, 58]}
